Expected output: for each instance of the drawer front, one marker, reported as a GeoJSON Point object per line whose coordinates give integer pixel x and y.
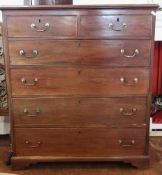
{"type": "Point", "coordinates": [41, 26]}
{"type": "Point", "coordinates": [78, 112]}
{"type": "Point", "coordinates": [116, 26]}
{"type": "Point", "coordinates": [87, 52]}
{"type": "Point", "coordinates": [80, 142]}
{"type": "Point", "coordinates": [80, 81]}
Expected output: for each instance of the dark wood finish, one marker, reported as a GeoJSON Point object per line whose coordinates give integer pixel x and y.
{"type": "Point", "coordinates": [80, 52]}
{"type": "Point", "coordinates": [53, 142]}
{"type": "Point", "coordinates": [75, 112]}
{"type": "Point", "coordinates": [80, 81]}
{"type": "Point", "coordinates": [98, 26]}
{"type": "Point", "coordinates": [58, 26]}
{"type": "Point", "coordinates": [156, 65]}
{"type": "Point", "coordinates": [89, 60]}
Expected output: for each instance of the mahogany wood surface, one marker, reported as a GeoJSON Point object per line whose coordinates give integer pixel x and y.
{"type": "Point", "coordinates": [90, 25]}
{"type": "Point", "coordinates": [99, 25]}
{"type": "Point", "coordinates": [80, 52]}
{"type": "Point", "coordinates": [78, 112]}
{"type": "Point", "coordinates": [102, 142]}
{"type": "Point", "coordinates": [79, 82]}
{"type": "Point", "coordinates": [58, 26]}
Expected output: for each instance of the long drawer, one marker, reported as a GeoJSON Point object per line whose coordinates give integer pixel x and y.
{"type": "Point", "coordinates": [80, 142]}
{"type": "Point", "coordinates": [78, 112]}
{"type": "Point", "coordinates": [81, 52]}
{"type": "Point", "coordinates": [39, 26]}
{"type": "Point", "coordinates": [80, 81]}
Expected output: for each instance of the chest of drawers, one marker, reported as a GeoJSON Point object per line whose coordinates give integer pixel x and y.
{"type": "Point", "coordinates": [79, 82]}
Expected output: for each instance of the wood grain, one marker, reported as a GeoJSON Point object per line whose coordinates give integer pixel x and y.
{"type": "Point", "coordinates": [80, 52]}
{"type": "Point", "coordinates": [53, 142]}
{"type": "Point", "coordinates": [99, 26]}
{"type": "Point", "coordinates": [80, 81]}
{"type": "Point", "coordinates": [78, 112]}
{"type": "Point", "coordinates": [79, 78]}
{"type": "Point", "coordinates": [58, 26]}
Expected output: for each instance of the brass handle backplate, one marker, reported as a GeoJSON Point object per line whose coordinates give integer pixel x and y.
{"type": "Point", "coordinates": [124, 144]}
{"type": "Point", "coordinates": [136, 52]}
{"type": "Point", "coordinates": [25, 82]}
{"type": "Point", "coordinates": [33, 146]}
{"type": "Point", "coordinates": [124, 81]}
{"type": "Point", "coordinates": [31, 55]}
{"type": "Point", "coordinates": [131, 112]}
{"type": "Point", "coordinates": [116, 27]}
{"type": "Point", "coordinates": [34, 27]}
{"type": "Point", "coordinates": [29, 114]}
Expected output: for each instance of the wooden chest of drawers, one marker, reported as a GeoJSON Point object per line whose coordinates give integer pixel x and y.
{"type": "Point", "coordinates": [79, 82]}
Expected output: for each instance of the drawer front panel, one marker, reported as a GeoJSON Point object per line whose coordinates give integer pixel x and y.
{"type": "Point", "coordinates": [78, 112]}
{"type": "Point", "coordinates": [80, 81]}
{"type": "Point", "coordinates": [80, 142]}
{"type": "Point", "coordinates": [87, 52]}
{"type": "Point", "coordinates": [116, 26]}
{"type": "Point", "coordinates": [42, 26]}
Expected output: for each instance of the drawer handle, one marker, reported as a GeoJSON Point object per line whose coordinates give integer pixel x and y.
{"type": "Point", "coordinates": [115, 28]}
{"type": "Point", "coordinates": [136, 52]}
{"type": "Point", "coordinates": [124, 81]}
{"type": "Point", "coordinates": [46, 26]}
{"type": "Point", "coordinates": [131, 113]}
{"type": "Point", "coordinates": [32, 55]}
{"type": "Point", "coordinates": [36, 113]}
{"type": "Point", "coordinates": [121, 143]}
{"type": "Point", "coordinates": [33, 146]}
{"type": "Point", "coordinates": [25, 82]}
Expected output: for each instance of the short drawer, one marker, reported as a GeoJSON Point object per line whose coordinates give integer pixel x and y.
{"type": "Point", "coordinates": [80, 52]}
{"type": "Point", "coordinates": [42, 26]}
{"type": "Point", "coordinates": [78, 112]}
{"type": "Point", "coordinates": [116, 26]}
{"type": "Point", "coordinates": [80, 142]}
{"type": "Point", "coordinates": [80, 81]}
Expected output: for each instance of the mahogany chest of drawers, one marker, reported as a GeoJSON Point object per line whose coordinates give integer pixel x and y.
{"type": "Point", "coordinates": [79, 82]}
